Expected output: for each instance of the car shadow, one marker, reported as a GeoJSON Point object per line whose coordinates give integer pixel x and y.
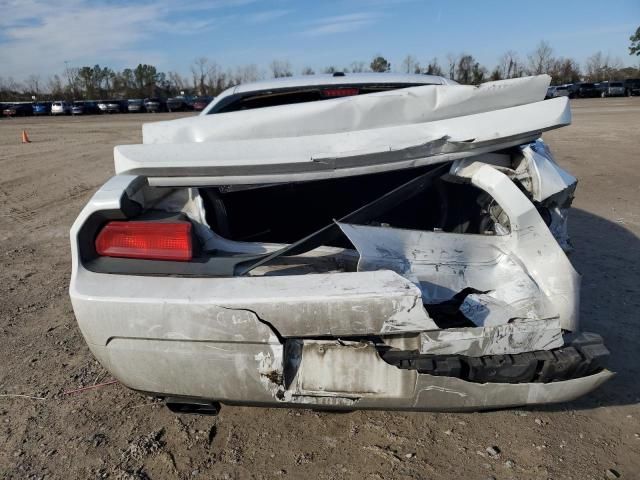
{"type": "Point", "coordinates": [607, 256]}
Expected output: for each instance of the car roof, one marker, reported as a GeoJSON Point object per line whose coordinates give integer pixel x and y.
{"type": "Point", "coordinates": [331, 79]}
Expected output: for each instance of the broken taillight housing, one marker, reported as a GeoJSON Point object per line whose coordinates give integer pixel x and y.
{"type": "Point", "coordinates": [146, 240]}
{"type": "Point", "coordinates": [339, 92]}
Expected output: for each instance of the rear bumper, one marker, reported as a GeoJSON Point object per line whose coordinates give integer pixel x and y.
{"type": "Point", "coordinates": [246, 374]}
{"type": "Point", "coordinates": [185, 337]}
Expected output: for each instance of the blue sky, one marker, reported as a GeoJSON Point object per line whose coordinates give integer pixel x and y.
{"type": "Point", "coordinates": [38, 36]}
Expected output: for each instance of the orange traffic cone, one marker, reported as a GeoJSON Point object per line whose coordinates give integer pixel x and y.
{"type": "Point", "coordinates": [25, 137]}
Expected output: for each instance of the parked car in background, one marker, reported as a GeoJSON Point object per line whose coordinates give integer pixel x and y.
{"type": "Point", "coordinates": [152, 105]}
{"type": "Point", "coordinates": [179, 104]}
{"type": "Point", "coordinates": [77, 108]}
{"type": "Point", "coordinates": [109, 106]}
{"type": "Point", "coordinates": [41, 108]}
{"type": "Point", "coordinates": [60, 107]}
{"type": "Point", "coordinates": [611, 89]}
{"type": "Point", "coordinates": [135, 105]}
{"type": "Point", "coordinates": [200, 103]}
{"type": "Point", "coordinates": [632, 86]}
{"type": "Point", "coordinates": [17, 110]}
{"type": "Point", "coordinates": [90, 107]}
{"type": "Point", "coordinates": [583, 90]}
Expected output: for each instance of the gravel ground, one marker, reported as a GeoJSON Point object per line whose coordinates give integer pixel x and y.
{"type": "Point", "coordinates": [110, 432]}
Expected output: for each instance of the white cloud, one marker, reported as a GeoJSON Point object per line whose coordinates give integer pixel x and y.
{"type": "Point", "coordinates": [203, 5]}
{"type": "Point", "coordinates": [341, 23]}
{"type": "Point", "coordinates": [38, 36]}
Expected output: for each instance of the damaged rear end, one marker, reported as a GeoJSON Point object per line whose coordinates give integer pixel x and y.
{"type": "Point", "coordinates": [415, 260]}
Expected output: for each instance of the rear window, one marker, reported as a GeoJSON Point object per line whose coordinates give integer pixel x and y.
{"type": "Point", "coordinates": [562, 88]}
{"type": "Point", "coordinates": [587, 85]}
{"type": "Point", "coordinates": [615, 84]}
{"type": "Point", "coordinates": [288, 96]}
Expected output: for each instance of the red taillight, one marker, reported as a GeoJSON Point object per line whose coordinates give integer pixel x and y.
{"type": "Point", "coordinates": [339, 92]}
{"type": "Point", "coordinates": [148, 240]}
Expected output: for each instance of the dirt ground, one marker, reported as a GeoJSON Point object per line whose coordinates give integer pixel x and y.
{"type": "Point", "coordinates": [110, 432]}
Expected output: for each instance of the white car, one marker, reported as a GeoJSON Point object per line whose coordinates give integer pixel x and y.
{"type": "Point", "coordinates": [341, 242]}
{"type": "Point", "coordinates": [109, 106]}
{"type": "Point", "coordinates": [60, 107]}
{"type": "Point", "coordinates": [559, 91]}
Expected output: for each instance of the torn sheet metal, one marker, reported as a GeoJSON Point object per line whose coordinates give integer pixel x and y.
{"type": "Point", "coordinates": [547, 184]}
{"type": "Point", "coordinates": [545, 177]}
{"type": "Point", "coordinates": [533, 244]}
{"type": "Point", "coordinates": [404, 106]}
{"type": "Point", "coordinates": [443, 264]}
{"type": "Point", "coordinates": [511, 338]}
{"type": "Point", "coordinates": [525, 272]}
{"type": "Point", "coordinates": [514, 299]}
{"type": "Point", "coordinates": [309, 157]}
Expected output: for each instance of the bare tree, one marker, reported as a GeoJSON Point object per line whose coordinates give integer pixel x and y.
{"type": "Point", "coordinates": [564, 70]}
{"type": "Point", "coordinates": [55, 87]}
{"type": "Point", "coordinates": [280, 68]}
{"type": "Point", "coordinates": [594, 66]}
{"type": "Point", "coordinates": [510, 66]}
{"type": "Point", "coordinates": [478, 73]}
{"type": "Point", "coordinates": [329, 69]}
{"type": "Point", "coordinates": [541, 58]}
{"type": "Point", "coordinates": [176, 81]}
{"type": "Point", "coordinates": [601, 67]}
{"type": "Point", "coordinates": [464, 69]}
{"type": "Point", "coordinates": [358, 67]}
{"type": "Point", "coordinates": [433, 68]}
{"type": "Point", "coordinates": [9, 88]}
{"type": "Point", "coordinates": [248, 73]}
{"type": "Point", "coordinates": [200, 70]}
{"type": "Point", "coordinates": [308, 71]}
{"type": "Point", "coordinates": [33, 84]}
{"type": "Point", "coordinates": [409, 64]}
{"type": "Point", "coordinates": [73, 80]}
{"type": "Point", "coordinates": [453, 60]}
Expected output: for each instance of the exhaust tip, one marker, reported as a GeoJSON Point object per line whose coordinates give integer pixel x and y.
{"type": "Point", "coordinates": [177, 405]}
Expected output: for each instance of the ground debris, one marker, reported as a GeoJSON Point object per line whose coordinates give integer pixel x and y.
{"type": "Point", "coordinates": [612, 474]}
{"type": "Point", "coordinates": [493, 451]}
{"type": "Point", "coordinates": [137, 474]}
{"type": "Point", "coordinates": [144, 445]}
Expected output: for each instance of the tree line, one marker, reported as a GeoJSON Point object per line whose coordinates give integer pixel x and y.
{"type": "Point", "coordinates": [206, 77]}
